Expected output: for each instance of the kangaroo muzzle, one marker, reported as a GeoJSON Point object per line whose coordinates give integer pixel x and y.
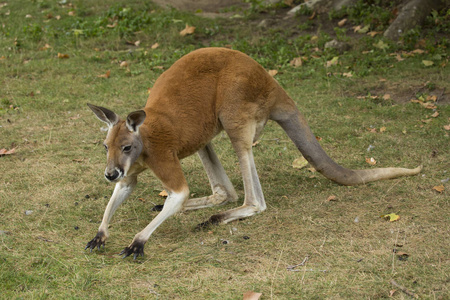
{"type": "Point", "coordinates": [113, 175]}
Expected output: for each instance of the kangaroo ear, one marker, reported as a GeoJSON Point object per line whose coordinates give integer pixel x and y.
{"type": "Point", "coordinates": [135, 119]}
{"type": "Point", "coordinates": [105, 115]}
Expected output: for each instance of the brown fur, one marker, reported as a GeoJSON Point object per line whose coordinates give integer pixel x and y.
{"type": "Point", "coordinates": [204, 92]}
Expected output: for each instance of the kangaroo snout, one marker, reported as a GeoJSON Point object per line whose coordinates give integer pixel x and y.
{"type": "Point", "coordinates": [114, 175]}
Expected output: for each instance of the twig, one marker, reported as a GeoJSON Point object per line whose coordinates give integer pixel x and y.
{"type": "Point", "coordinates": [291, 268]}
{"type": "Point", "coordinates": [404, 290]}
{"type": "Point", "coordinates": [274, 273]}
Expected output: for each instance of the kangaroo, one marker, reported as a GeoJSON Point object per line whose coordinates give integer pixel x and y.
{"type": "Point", "coordinates": [203, 93]}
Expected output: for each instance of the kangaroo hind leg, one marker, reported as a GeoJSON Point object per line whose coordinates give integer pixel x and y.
{"type": "Point", "coordinates": [222, 188]}
{"type": "Point", "coordinates": [254, 199]}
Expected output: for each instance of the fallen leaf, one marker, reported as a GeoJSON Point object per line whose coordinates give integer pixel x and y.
{"type": "Point", "coordinates": [255, 143]}
{"type": "Point", "coordinates": [427, 63]}
{"type": "Point", "coordinates": [187, 30]}
{"type": "Point", "coordinates": [46, 47]}
{"type": "Point", "coordinates": [398, 57]}
{"type": "Point", "coordinates": [342, 22]}
{"type": "Point", "coordinates": [106, 75]}
{"type": "Point", "coordinates": [381, 45]}
{"type": "Point", "coordinates": [435, 115]}
{"type": "Point", "coordinates": [155, 45]}
{"type": "Point", "coordinates": [447, 127]}
{"type": "Point", "coordinates": [62, 56]}
{"type": "Point", "coordinates": [112, 25]}
{"type": "Point", "coordinates": [392, 292]}
{"type": "Point", "coordinates": [364, 29]}
{"type": "Point", "coordinates": [163, 193]}
{"type": "Point", "coordinates": [431, 98]}
{"type": "Point", "coordinates": [71, 13]}
{"type": "Point", "coordinates": [439, 188]}
{"type": "Point", "coordinates": [124, 64]}
{"type": "Point", "coordinates": [299, 163]}
{"type": "Point", "coordinates": [296, 62]}
{"type": "Point", "coordinates": [137, 43]}
{"type": "Point", "coordinates": [392, 217]}
{"type": "Point", "coordinates": [386, 97]}
{"type": "Point", "coordinates": [418, 51]}
{"type": "Point", "coordinates": [273, 72]}
{"type": "Point", "coordinates": [7, 152]}
{"type": "Point", "coordinates": [28, 16]}
{"type": "Point", "coordinates": [332, 198]}
{"type": "Point", "coordinates": [333, 61]}
{"type": "Point", "coordinates": [426, 121]}
{"type": "Point", "coordinates": [251, 296]}
{"type": "Point", "coordinates": [373, 33]}
{"type": "Point", "coordinates": [348, 74]}
{"type": "Point", "coordinates": [371, 161]}
{"type": "Point", "coordinates": [382, 129]}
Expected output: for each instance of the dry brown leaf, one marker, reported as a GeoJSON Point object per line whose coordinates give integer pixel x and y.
{"type": "Point", "coordinates": [296, 62]}
{"type": "Point", "coordinates": [332, 198]}
{"type": "Point", "coordinates": [255, 143]}
{"type": "Point", "coordinates": [392, 292]}
{"type": "Point", "coordinates": [373, 33]}
{"type": "Point", "coordinates": [398, 57]}
{"type": "Point", "coordinates": [371, 161]}
{"type": "Point", "coordinates": [61, 55]}
{"type": "Point", "coordinates": [386, 97]}
{"type": "Point", "coordinates": [7, 152]}
{"type": "Point", "coordinates": [447, 127]}
{"type": "Point", "coordinates": [251, 296]}
{"type": "Point", "coordinates": [347, 74]}
{"type": "Point", "coordinates": [112, 25]}
{"type": "Point", "coordinates": [439, 188]}
{"type": "Point", "coordinates": [382, 129]}
{"type": "Point", "coordinates": [187, 30]}
{"type": "Point", "coordinates": [106, 75]}
{"type": "Point", "coordinates": [435, 115]}
{"type": "Point", "coordinates": [342, 22]}
{"type": "Point", "coordinates": [431, 98]}
{"type": "Point", "coordinates": [426, 121]}
{"type": "Point", "coordinates": [71, 13]}
{"type": "Point", "coordinates": [273, 72]}
{"type": "Point", "coordinates": [163, 193]}
{"type": "Point", "coordinates": [155, 45]}
{"type": "Point", "coordinates": [124, 64]}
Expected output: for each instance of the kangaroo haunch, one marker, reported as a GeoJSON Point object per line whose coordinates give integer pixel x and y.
{"type": "Point", "coordinates": [203, 93]}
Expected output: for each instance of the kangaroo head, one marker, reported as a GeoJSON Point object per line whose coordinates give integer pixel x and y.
{"type": "Point", "coordinates": [123, 142]}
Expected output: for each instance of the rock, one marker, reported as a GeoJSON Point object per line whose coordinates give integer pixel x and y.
{"type": "Point", "coordinates": [341, 47]}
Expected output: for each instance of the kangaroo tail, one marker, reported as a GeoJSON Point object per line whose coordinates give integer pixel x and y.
{"type": "Point", "coordinates": [299, 132]}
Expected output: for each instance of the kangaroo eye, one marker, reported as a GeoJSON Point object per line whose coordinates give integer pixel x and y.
{"type": "Point", "coordinates": [127, 149]}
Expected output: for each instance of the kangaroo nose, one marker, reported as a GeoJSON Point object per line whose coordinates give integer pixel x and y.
{"type": "Point", "coordinates": [112, 176]}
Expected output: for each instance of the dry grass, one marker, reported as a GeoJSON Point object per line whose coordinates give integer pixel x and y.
{"type": "Point", "coordinates": [57, 169]}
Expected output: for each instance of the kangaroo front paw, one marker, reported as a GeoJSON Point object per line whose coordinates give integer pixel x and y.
{"type": "Point", "coordinates": [136, 248]}
{"type": "Point", "coordinates": [98, 241]}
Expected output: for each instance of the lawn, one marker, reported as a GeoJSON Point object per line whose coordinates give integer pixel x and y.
{"type": "Point", "coordinates": [379, 99]}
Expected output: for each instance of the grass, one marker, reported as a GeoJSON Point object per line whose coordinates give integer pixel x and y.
{"type": "Point", "coordinates": [56, 171]}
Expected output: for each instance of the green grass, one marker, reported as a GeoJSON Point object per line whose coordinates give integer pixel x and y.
{"type": "Point", "coordinates": [57, 169]}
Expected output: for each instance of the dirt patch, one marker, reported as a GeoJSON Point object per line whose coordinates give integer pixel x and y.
{"type": "Point", "coordinates": [401, 93]}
